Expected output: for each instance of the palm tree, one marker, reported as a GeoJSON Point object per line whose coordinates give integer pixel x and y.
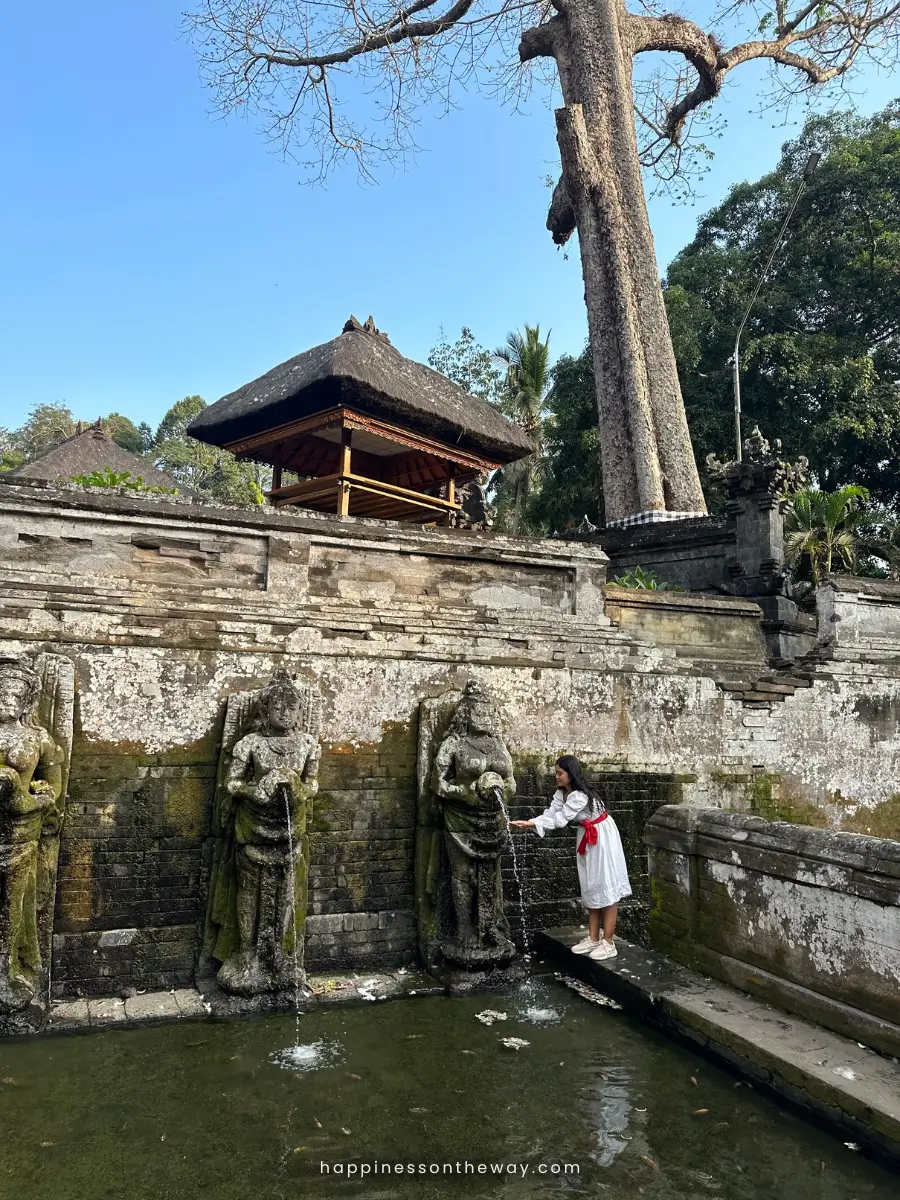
{"type": "Point", "coordinates": [824, 529]}
{"type": "Point", "coordinates": [527, 361]}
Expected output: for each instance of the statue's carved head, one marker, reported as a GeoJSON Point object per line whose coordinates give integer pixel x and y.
{"type": "Point", "coordinates": [476, 712]}
{"type": "Point", "coordinates": [19, 690]}
{"type": "Point", "coordinates": [281, 703]}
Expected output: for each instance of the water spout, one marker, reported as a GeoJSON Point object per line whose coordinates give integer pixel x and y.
{"type": "Point", "coordinates": [498, 792]}
{"type": "Point", "coordinates": [293, 900]}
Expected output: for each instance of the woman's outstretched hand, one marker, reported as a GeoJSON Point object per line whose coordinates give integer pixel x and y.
{"type": "Point", "coordinates": [522, 824]}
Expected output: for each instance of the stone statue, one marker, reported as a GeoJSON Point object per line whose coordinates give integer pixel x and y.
{"type": "Point", "coordinates": [268, 770]}
{"type": "Point", "coordinates": [36, 705]}
{"type": "Point", "coordinates": [475, 508]}
{"type": "Point", "coordinates": [469, 781]}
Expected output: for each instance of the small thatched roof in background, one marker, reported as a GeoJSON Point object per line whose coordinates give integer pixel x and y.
{"type": "Point", "coordinates": [360, 369]}
{"type": "Point", "coordinates": [91, 450]}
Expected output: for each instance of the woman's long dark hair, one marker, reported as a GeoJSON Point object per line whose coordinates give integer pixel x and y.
{"type": "Point", "coordinates": [573, 768]}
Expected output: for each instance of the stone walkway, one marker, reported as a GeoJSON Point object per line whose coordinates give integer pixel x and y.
{"type": "Point", "coordinates": [852, 1088]}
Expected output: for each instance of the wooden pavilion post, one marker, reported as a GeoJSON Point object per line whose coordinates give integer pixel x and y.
{"type": "Point", "coordinates": [451, 492]}
{"type": "Point", "coordinates": [344, 471]}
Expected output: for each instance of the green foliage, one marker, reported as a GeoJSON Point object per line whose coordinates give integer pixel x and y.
{"type": "Point", "coordinates": [880, 541]}
{"type": "Point", "coordinates": [570, 476]}
{"type": "Point", "coordinates": [203, 468]}
{"type": "Point", "coordinates": [527, 362]}
{"type": "Point", "coordinates": [470, 365]}
{"type": "Point", "coordinates": [46, 427]}
{"type": "Point", "coordinates": [821, 351]}
{"type": "Point", "coordinates": [641, 580]}
{"type": "Point", "coordinates": [822, 530]}
{"type": "Point", "coordinates": [107, 478]}
{"type": "Point", "coordinates": [10, 454]}
{"type": "Point", "coordinates": [123, 432]}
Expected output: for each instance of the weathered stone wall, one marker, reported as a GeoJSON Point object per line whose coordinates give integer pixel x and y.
{"type": "Point", "coordinates": [691, 554]}
{"type": "Point", "coordinates": [807, 918]}
{"type": "Point", "coordinates": [166, 607]}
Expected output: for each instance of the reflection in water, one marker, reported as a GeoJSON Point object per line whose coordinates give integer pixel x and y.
{"type": "Point", "coordinates": [609, 1107]}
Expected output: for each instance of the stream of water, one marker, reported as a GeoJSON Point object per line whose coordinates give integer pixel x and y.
{"type": "Point", "coordinates": [526, 945]}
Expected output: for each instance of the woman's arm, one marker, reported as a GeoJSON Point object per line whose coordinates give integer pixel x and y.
{"type": "Point", "coordinates": [560, 813]}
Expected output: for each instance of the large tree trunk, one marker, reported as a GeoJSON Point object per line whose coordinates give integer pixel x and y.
{"type": "Point", "coordinates": [647, 459]}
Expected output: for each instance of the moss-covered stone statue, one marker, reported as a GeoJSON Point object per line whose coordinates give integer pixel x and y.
{"type": "Point", "coordinates": [256, 913]}
{"type": "Point", "coordinates": [466, 778]}
{"type": "Point", "coordinates": [36, 703]}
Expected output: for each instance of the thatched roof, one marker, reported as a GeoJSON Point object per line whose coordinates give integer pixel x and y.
{"type": "Point", "coordinates": [361, 369]}
{"type": "Point", "coordinates": [91, 450]}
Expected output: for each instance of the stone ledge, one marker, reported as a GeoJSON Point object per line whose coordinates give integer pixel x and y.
{"type": "Point", "coordinates": [847, 1086]}
{"type": "Point", "coordinates": [191, 1003]}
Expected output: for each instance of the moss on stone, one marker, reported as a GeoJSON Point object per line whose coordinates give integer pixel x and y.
{"type": "Point", "coordinates": [186, 804]}
{"type": "Point", "coordinates": [881, 820]}
{"type": "Point", "coordinates": [762, 792]}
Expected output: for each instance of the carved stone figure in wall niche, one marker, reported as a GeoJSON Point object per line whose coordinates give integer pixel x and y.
{"type": "Point", "coordinates": [466, 779]}
{"type": "Point", "coordinates": [36, 706]}
{"type": "Point", "coordinates": [267, 779]}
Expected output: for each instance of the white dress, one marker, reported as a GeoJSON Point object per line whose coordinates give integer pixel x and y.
{"type": "Point", "coordinates": [602, 872]}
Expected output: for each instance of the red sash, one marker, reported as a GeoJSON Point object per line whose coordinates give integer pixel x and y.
{"type": "Point", "coordinates": [590, 832]}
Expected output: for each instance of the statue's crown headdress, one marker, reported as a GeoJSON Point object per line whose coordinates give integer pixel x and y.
{"type": "Point", "coordinates": [282, 683]}
{"type": "Point", "coordinates": [17, 668]}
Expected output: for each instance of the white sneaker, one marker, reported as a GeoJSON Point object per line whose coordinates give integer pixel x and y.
{"type": "Point", "coordinates": [604, 950]}
{"type": "Point", "coordinates": [585, 946]}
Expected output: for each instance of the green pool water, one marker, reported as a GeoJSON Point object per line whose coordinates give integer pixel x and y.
{"type": "Point", "coordinates": [200, 1109]}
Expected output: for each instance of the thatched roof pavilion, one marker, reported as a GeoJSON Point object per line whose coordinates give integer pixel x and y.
{"type": "Point", "coordinates": [92, 450]}
{"type": "Point", "coordinates": [369, 432]}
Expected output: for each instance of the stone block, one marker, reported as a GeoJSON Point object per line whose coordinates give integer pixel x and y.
{"type": "Point", "coordinates": [107, 1011]}
{"type": "Point", "coordinates": [190, 1002]}
{"type": "Point", "coordinates": [72, 1014]}
{"type": "Point", "coordinates": [154, 1006]}
{"type": "Point", "coordinates": [116, 937]}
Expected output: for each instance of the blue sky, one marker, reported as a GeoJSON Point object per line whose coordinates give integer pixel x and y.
{"type": "Point", "coordinates": [151, 250]}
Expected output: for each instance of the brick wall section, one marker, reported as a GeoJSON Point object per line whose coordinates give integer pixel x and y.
{"type": "Point", "coordinates": [547, 865]}
{"type": "Point", "coordinates": [129, 885]}
{"type": "Point", "coordinates": [361, 884]}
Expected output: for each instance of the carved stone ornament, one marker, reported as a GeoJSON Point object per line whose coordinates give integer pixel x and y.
{"type": "Point", "coordinates": [267, 778]}
{"type": "Point", "coordinates": [36, 707]}
{"type": "Point", "coordinates": [465, 782]}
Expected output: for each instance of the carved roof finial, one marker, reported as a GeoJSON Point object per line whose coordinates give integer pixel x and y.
{"type": "Point", "coordinates": [354, 326]}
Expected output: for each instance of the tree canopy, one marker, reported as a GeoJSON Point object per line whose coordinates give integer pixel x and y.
{"type": "Point", "coordinates": [343, 81]}
{"type": "Point", "coordinates": [821, 350]}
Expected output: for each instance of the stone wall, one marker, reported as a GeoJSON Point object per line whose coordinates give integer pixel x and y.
{"type": "Point", "coordinates": [807, 918]}
{"type": "Point", "coordinates": [167, 606]}
{"type": "Point", "coordinates": [691, 554]}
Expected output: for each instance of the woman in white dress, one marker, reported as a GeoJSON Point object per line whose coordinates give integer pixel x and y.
{"type": "Point", "coordinates": [602, 872]}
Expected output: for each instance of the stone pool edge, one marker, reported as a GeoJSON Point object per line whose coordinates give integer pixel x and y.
{"type": "Point", "coordinates": [842, 1084]}
{"type": "Point", "coordinates": [92, 1013]}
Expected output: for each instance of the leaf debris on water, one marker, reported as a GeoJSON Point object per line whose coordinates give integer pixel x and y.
{"type": "Point", "coordinates": [489, 1016]}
